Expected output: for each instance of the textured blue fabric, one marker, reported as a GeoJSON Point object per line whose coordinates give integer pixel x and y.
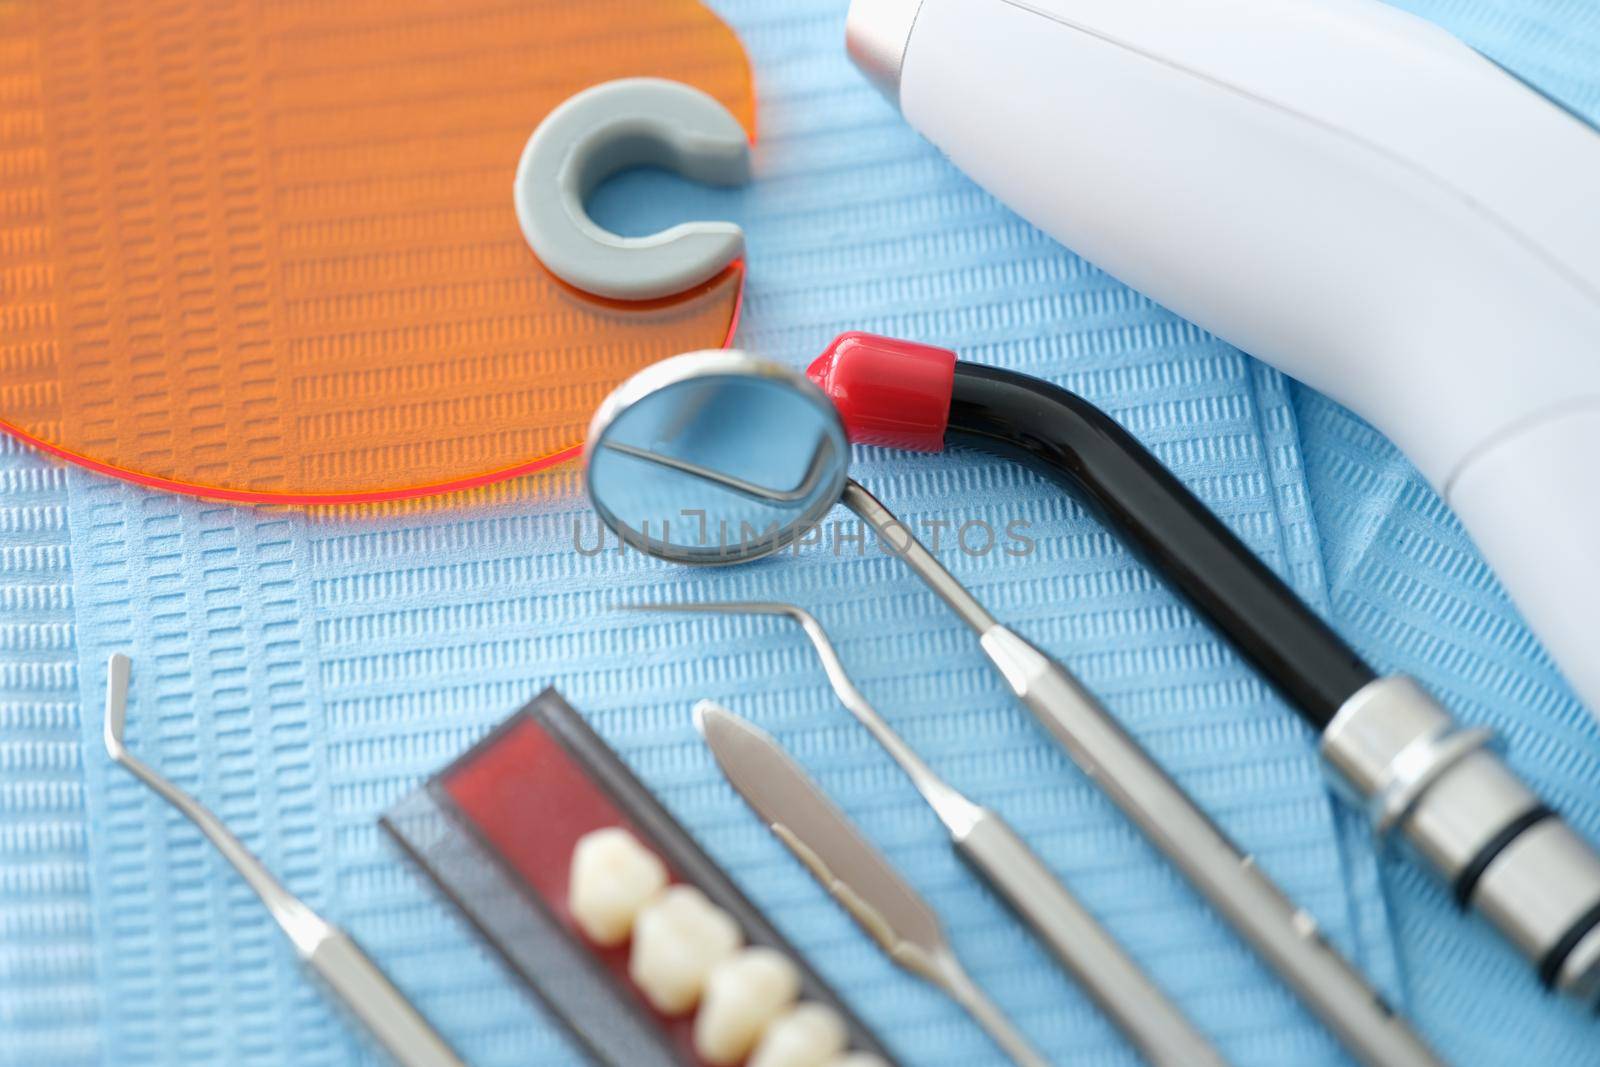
{"type": "Point", "coordinates": [48, 995]}
{"type": "Point", "coordinates": [301, 672]}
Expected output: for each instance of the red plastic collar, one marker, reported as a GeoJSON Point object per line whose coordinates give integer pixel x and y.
{"type": "Point", "coordinates": [891, 393]}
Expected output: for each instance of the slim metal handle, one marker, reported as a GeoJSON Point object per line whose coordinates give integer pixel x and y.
{"type": "Point", "coordinates": [369, 995]}
{"type": "Point", "coordinates": [1286, 937]}
{"type": "Point", "coordinates": [944, 969]}
{"type": "Point", "coordinates": [324, 948]}
{"type": "Point", "coordinates": [1136, 1005]}
{"type": "Point", "coordinates": [982, 838]}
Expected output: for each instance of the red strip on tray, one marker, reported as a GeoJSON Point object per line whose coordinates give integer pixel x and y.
{"type": "Point", "coordinates": [532, 802]}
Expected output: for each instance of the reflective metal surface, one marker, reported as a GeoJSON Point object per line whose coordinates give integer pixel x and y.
{"type": "Point", "coordinates": [1399, 754]}
{"type": "Point", "coordinates": [1252, 902]}
{"type": "Point", "coordinates": [715, 457]}
{"type": "Point", "coordinates": [1139, 1008]}
{"type": "Point", "coordinates": [852, 870]}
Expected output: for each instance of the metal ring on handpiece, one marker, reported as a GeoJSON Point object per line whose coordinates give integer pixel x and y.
{"type": "Point", "coordinates": [1504, 853]}
{"type": "Point", "coordinates": [630, 122]}
{"type": "Point", "coordinates": [1416, 767]}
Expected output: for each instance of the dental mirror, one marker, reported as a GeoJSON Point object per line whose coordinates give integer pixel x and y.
{"type": "Point", "coordinates": [715, 457]}
{"type": "Point", "coordinates": [720, 457]}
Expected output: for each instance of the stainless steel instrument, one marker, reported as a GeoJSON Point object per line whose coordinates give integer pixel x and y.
{"type": "Point", "coordinates": [854, 872]}
{"type": "Point", "coordinates": [722, 435]}
{"type": "Point", "coordinates": [330, 953]}
{"type": "Point", "coordinates": [1138, 1007]}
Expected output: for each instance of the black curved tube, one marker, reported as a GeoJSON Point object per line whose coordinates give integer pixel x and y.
{"type": "Point", "coordinates": [1076, 445]}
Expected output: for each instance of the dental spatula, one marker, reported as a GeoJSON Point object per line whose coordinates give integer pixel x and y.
{"type": "Point", "coordinates": [325, 949]}
{"type": "Point", "coordinates": [1116, 983]}
{"type": "Point", "coordinates": [849, 867]}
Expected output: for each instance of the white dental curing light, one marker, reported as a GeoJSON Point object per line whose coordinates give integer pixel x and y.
{"type": "Point", "coordinates": [1360, 199]}
{"type": "Point", "coordinates": [1336, 187]}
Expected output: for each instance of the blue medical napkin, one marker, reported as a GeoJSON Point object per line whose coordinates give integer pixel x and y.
{"type": "Point", "coordinates": [48, 996]}
{"type": "Point", "coordinates": [301, 672]}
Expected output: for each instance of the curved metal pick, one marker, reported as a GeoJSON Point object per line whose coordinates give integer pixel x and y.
{"type": "Point", "coordinates": [631, 122]}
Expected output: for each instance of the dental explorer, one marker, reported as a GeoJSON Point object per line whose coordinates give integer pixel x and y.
{"type": "Point", "coordinates": [327, 951]}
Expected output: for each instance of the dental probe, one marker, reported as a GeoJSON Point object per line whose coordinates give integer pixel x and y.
{"type": "Point", "coordinates": [1144, 1014]}
{"type": "Point", "coordinates": [1285, 936]}
{"type": "Point", "coordinates": [328, 951]}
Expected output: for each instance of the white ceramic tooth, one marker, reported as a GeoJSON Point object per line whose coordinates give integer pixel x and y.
{"type": "Point", "coordinates": [677, 939]}
{"type": "Point", "coordinates": [858, 1059]}
{"type": "Point", "coordinates": [809, 1035]}
{"type": "Point", "coordinates": [613, 876]}
{"type": "Point", "coordinates": [743, 994]}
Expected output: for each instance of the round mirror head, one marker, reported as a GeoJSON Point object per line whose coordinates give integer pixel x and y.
{"type": "Point", "coordinates": [715, 457]}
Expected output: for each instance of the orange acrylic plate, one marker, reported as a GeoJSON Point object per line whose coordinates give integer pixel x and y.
{"type": "Point", "coordinates": [265, 250]}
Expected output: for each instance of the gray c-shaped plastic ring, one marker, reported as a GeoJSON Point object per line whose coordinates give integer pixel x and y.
{"type": "Point", "coordinates": [630, 122]}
